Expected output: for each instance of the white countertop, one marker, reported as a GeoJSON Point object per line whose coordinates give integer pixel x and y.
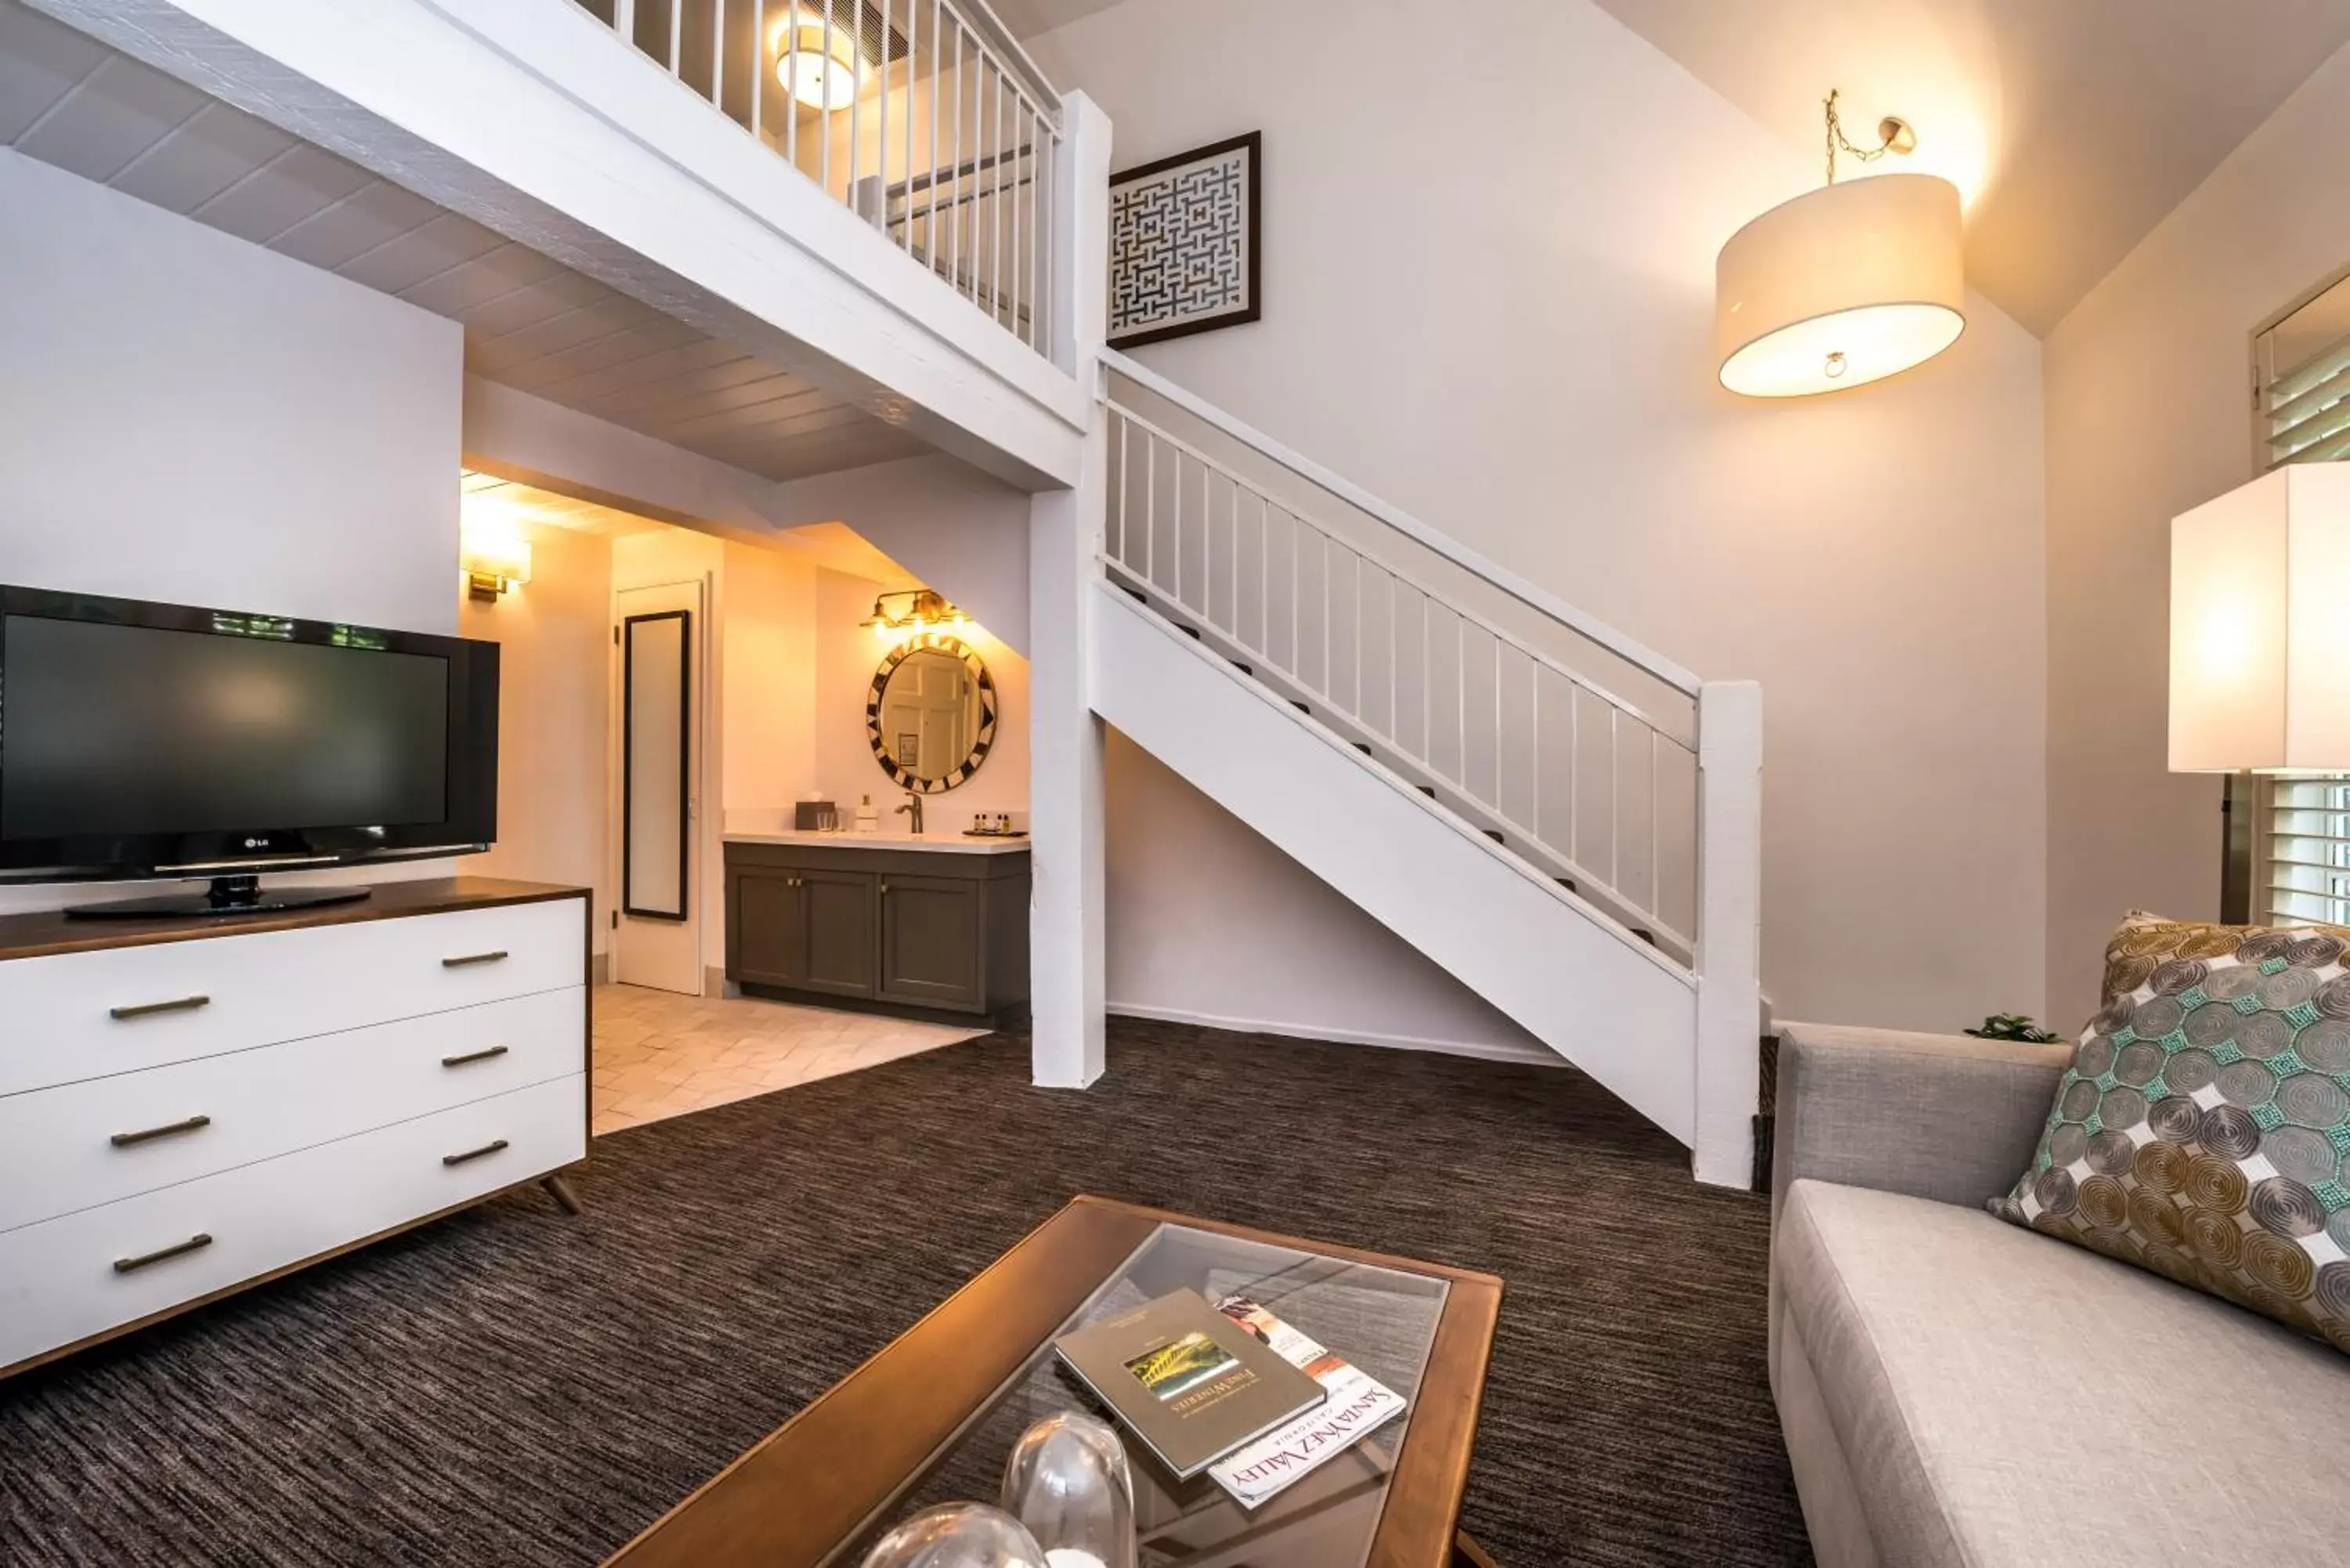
{"type": "Point", "coordinates": [950, 842]}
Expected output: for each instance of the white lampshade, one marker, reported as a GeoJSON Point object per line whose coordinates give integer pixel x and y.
{"type": "Point", "coordinates": [2260, 627]}
{"type": "Point", "coordinates": [1845, 285]}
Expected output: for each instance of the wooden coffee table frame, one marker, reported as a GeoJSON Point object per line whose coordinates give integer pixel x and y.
{"type": "Point", "coordinates": [816, 1484]}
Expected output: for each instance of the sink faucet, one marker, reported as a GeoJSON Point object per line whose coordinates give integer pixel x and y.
{"type": "Point", "coordinates": [913, 808]}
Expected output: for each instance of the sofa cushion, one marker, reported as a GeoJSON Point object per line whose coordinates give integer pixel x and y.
{"type": "Point", "coordinates": [2002, 1401]}
{"type": "Point", "coordinates": [2201, 1128]}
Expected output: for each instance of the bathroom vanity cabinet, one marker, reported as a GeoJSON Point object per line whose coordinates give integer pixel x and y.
{"type": "Point", "coordinates": [926, 928]}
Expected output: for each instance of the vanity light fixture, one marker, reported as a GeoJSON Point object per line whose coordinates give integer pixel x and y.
{"type": "Point", "coordinates": [917, 610]}
{"type": "Point", "coordinates": [494, 563]}
{"type": "Point", "coordinates": [1844, 286]}
{"type": "Point", "coordinates": [817, 58]}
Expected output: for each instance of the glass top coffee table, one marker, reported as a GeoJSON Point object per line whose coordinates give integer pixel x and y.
{"type": "Point", "coordinates": [932, 1417]}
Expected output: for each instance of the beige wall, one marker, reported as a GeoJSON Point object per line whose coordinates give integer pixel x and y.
{"type": "Point", "coordinates": [553, 714]}
{"type": "Point", "coordinates": [1506, 331]}
{"type": "Point", "coordinates": [2147, 393]}
{"type": "Point", "coordinates": [766, 729]}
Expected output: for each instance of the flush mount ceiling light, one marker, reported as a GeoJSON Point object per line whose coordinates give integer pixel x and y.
{"type": "Point", "coordinates": [817, 61]}
{"type": "Point", "coordinates": [1845, 285]}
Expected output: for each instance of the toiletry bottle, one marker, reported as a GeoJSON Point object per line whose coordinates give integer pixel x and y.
{"type": "Point", "coordinates": [868, 819]}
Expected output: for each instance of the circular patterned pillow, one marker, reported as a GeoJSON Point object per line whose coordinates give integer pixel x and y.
{"type": "Point", "coordinates": [2204, 1127]}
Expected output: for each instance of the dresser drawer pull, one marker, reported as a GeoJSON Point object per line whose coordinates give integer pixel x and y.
{"type": "Point", "coordinates": [193, 1243]}
{"type": "Point", "coordinates": [487, 1148]}
{"type": "Point", "coordinates": [470, 960]}
{"type": "Point", "coordinates": [124, 1141]}
{"type": "Point", "coordinates": [150, 1009]}
{"type": "Point", "coordinates": [471, 1057]}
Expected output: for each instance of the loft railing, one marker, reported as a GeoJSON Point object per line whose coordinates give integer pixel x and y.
{"type": "Point", "coordinates": [924, 117]}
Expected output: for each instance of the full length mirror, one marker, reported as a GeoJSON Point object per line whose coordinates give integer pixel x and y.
{"type": "Point", "coordinates": [931, 716]}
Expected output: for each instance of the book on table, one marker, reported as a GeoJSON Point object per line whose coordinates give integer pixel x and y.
{"type": "Point", "coordinates": [1190, 1381]}
{"type": "Point", "coordinates": [1357, 1404]}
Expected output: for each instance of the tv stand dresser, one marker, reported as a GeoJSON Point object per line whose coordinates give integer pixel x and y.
{"type": "Point", "coordinates": [191, 1106]}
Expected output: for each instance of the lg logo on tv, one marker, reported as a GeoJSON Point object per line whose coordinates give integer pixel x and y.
{"type": "Point", "coordinates": [256, 843]}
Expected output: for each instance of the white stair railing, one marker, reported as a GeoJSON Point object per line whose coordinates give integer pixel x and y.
{"type": "Point", "coordinates": [924, 117]}
{"type": "Point", "coordinates": [1589, 784]}
{"type": "Point", "coordinates": [1587, 755]}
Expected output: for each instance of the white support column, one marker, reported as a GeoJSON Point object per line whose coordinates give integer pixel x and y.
{"type": "Point", "coordinates": [1729, 930]}
{"type": "Point", "coordinates": [1064, 791]}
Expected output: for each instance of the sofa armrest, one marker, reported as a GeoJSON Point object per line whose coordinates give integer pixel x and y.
{"type": "Point", "coordinates": [1946, 1117]}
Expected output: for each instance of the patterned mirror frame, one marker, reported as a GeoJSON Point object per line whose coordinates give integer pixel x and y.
{"type": "Point", "coordinates": [983, 742]}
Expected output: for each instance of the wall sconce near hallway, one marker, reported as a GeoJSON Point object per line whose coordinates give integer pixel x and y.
{"type": "Point", "coordinates": [494, 563]}
{"type": "Point", "coordinates": [1846, 285]}
{"type": "Point", "coordinates": [2260, 627]}
{"type": "Point", "coordinates": [899, 616]}
{"type": "Point", "coordinates": [818, 63]}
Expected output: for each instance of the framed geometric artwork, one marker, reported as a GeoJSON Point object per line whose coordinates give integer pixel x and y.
{"type": "Point", "coordinates": [1185, 251]}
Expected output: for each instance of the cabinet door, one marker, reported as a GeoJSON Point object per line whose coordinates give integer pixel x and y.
{"type": "Point", "coordinates": [768, 927]}
{"type": "Point", "coordinates": [840, 939]}
{"type": "Point", "coordinates": [930, 941]}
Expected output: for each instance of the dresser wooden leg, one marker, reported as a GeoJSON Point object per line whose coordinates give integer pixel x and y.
{"type": "Point", "coordinates": [560, 1190]}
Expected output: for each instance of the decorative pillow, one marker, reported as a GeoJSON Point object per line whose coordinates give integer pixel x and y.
{"type": "Point", "coordinates": [2145, 942]}
{"type": "Point", "coordinates": [2202, 1129]}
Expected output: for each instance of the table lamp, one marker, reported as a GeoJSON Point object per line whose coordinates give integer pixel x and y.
{"type": "Point", "coordinates": [2260, 627]}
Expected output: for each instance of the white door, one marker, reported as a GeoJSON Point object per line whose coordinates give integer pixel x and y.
{"type": "Point", "coordinates": [660, 641]}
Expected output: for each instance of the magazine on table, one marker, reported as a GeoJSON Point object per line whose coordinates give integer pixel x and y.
{"type": "Point", "coordinates": [1190, 1381]}
{"type": "Point", "coordinates": [1357, 1405]}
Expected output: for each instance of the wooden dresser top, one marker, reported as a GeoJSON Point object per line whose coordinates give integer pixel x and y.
{"type": "Point", "coordinates": [50, 932]}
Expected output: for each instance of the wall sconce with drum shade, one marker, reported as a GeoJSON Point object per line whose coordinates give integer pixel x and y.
{"type": "Point", "coordinates": [1843, 286]}
{"type": "Point", "coordinates": [494, 561]}
{"type": "Point", "coordinates": [818, 62]}
{"type": "Point", "coordinates": [899, 616]}
{"type": "Point", "coordinates": [2260, 627]}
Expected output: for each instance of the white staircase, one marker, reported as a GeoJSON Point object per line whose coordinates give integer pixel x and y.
{"type": "Point", "coordinates": [1565, 821]}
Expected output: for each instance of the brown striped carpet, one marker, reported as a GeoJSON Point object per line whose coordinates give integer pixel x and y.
{"type": "Point", "coordinates": [512, 1387]}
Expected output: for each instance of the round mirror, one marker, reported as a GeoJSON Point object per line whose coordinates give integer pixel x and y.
{"type": "Point", "coordinates": [931, 716]}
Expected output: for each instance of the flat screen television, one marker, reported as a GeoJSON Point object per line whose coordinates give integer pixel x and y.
{"type": "Point", "coordinates": [142, 740]}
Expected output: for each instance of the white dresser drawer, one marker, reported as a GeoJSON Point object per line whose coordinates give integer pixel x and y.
{"type": "Point", "coordinates": [80, 1145]}
{"type": "Point", "coordinates": [64, 1280]}
{"type": "Point", "coordinates": [72, 1016]}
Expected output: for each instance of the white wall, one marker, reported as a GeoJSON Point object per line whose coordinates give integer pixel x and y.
{"type": "Point", "coordinates": [1209, 924]}
{"type": "Point", "coordinates": [191, 418]}
{"type": "Point", "coordinates": [2149, 416]}
{"type": "Point", "coordinates": [554, 715]}
{"type": "Point", "coordinates": [962, 531]}
{"type": "Point", "coordinates": [186, 417]}
{"type": "Point", "coordinates": [1505, 329]}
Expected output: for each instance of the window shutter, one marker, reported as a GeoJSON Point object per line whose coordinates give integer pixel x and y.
{"type": "Point", "coordinates": [2308, 850]}
{"type": "Point", "coordinates": [2303, 844]}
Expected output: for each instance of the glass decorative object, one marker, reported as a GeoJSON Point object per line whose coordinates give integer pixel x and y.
{"type": "Point", "coordinates": [1068, 1482]}
{"type": "Point", "coordinates": [959, 1535]}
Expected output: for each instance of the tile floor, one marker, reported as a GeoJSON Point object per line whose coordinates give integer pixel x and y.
{"type": "Point", "coordinates": [658, 1054]}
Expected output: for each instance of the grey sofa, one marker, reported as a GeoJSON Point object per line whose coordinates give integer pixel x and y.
{"type": "Point", "coordinates": [1955, 1390]}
